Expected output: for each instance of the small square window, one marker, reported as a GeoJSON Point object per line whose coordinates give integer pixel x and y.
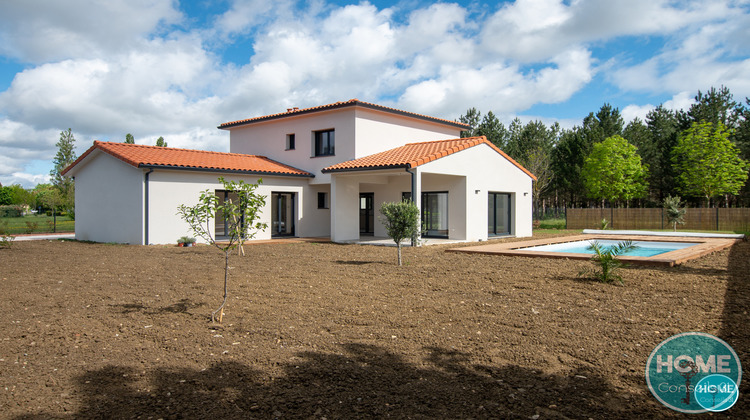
{"type": "Point", "coordinates": [406, 196]}
{"type": "Point", "coordinates": [322, 200]}
{"type": "Point", "coordinates": [290, 142]}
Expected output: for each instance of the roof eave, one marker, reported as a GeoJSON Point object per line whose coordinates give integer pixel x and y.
{"type": "Point", "coordinates": [225, 171]}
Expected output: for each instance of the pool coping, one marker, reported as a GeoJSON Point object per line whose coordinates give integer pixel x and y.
{"type": "Point", "coordinates": [704, 246]}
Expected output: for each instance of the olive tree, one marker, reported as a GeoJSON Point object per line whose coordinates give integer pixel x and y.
{"type": "Point", "coordinates": [401, 221]}
{"type": "Point", "coordinates": [675, 213]}
{"type": "Point", "coordinates": [241, 215]}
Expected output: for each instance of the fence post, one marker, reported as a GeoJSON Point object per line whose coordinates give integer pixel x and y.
{"type": "Point", "coordinates": [612, 217]}
{"type": "Point", "coordinates": [717, 217]}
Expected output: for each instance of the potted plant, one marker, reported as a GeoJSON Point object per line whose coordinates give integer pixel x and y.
{"type": "Point", "coordinates": [186, 241]}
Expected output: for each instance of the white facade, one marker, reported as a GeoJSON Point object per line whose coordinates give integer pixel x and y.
{"type": "Point", "coordinates": [359, 132]}
{"type": "Point", "coordinates": [468, 177]}
{"type": "Point", "coordinates": [127, 202]}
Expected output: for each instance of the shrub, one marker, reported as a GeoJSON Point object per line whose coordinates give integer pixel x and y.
{"type": "Point", "coordinates": [6, 239]}
{"type": "Point", "coordinates": [606, 259]}
{"type": "Point", "coordinates": [31, 226]}
{"type": "Point", "coordinates": [11, 211]}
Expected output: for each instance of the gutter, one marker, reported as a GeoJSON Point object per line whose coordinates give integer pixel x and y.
{"type": "Point", "coordinates": [226, 171]}
{"type": "Point", "coordinates": [145, 205]}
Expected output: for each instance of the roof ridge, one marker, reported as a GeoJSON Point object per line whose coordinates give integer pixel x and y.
{"type": "Point", "coordinates": [354, 101]}
{"type": "Point", "coordinates": [446, 140]}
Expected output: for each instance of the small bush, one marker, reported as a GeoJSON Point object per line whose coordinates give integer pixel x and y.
{"type": "Point", "coordinates": [606, 260]}
{"type": "Point", "coordinates": [6, 239]}
{"type": "Point", "coordinates": [31, 227]}
{"type": "Point", "coordinates": [11, 211]}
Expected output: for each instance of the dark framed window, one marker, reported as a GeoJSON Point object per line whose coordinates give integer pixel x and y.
{"type": "Point", "coordinates": [498, 214]}
{"type": "Point", "coordinates": [406, 196]}
{"type": "Point", "coordinates": [325, 143]}
{"type": "Point", "coordinates": [290, 141]}
{"type": "Point", "coordinates": [322, 200]}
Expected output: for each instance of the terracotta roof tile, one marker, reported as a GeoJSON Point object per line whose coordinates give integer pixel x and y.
{"type": "Point", "coordinates": [352, 102]}
{"type": "Point", "coordinates": [147, 156]}
{"type": "Point", "coordinates": [415, 154]}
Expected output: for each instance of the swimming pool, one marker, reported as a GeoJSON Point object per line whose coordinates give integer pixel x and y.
{"type": "Point", "coordinates": [643, 248]}
{"type": "Point", "coordinates": [664, 251]}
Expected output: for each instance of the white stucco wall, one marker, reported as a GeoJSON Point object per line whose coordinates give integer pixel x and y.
{"type": "Point", "coordinates": [377, 131]}
{"type": "Point", "coordinates": [268, 139]}
{"type": "Point", "coordinates": [487, 171]}
{"type": "Point", "coordinates": [374, 132]}
{"type": "Point", "coordinates": [170, 188]}
{"type": "Point", "coordinates": [109, 200]}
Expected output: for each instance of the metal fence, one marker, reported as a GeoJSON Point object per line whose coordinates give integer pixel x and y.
{"type": "Point", "coordinates": [723, 219]}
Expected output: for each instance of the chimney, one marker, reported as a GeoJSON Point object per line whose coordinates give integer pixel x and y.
{"type": "Point", "coordinates": [296, 108]}
{"type": "Point", "coordinates": [289, 109]}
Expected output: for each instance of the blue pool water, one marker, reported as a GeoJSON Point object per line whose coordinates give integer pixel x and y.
{"type": "Point", "coordinates": [643, 248]}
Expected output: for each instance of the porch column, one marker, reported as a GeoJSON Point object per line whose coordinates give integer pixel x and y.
{"type": "Point", "coordinates": [344, 208]}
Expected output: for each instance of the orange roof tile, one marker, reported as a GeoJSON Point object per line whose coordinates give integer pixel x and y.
{"type": "Point", "coordinates": [415, 154]}
{"type": "Point", "coordinates": [169, 157]}
{"type": "Point", "coordinates": [352, 102]}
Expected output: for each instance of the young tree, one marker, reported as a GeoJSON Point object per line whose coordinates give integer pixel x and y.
{"type": "Point", "coordinates": [401, 221]}
{"type": "Point", "coordinates": [613, 171]}
{"type": "Point", "coordinates": [241, 216]}
{"type": "Point", "coordinates": [65, 156]}
{"type": "Point", "coordinates": [674, 210]}
{"type": "Point", "coordinates": [160, 142]}
{"type": "Point", "coordinates": [707, 163]}
{"type": "Point", "coordinates": [129, 139]}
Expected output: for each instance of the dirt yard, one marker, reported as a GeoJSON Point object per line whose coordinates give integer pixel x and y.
{"type": "Point", "coordinates": [339, 331]}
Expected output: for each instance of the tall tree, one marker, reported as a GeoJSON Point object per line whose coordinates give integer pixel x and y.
{"type": "Point", "coordinates": [715, 106]}
{"type": "Point", "coordinates": [65, 156]}
{"type": "Point", "coordinates": [614, 172]}
{"type": "Point", "coordinates": [472, 118]}
{"type": "Point", "coordinates": [129, 139]}
{"type": "Point", "coordinates": [160, 142]}
{"type": "Point", "coordinates": [663, 125]}
{"type": "Point", "coordinates": [707, 163]}
{"type": "Point", "coordinates": [493, 129]}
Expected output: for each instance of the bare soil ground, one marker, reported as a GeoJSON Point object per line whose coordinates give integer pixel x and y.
{"type": "Point", "coordinates": [339, 331]}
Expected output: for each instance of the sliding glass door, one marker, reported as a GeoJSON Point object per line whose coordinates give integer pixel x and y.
{"type": "Point", "coordinates": [498, 214]}
{"type": "Point", "coordinates": [435, 214]}
{"type": "Point", "coordinates": [282, 214]}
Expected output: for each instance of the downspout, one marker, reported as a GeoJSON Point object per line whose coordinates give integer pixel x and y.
{"type": "Point", "coordinates": [415, 239]}
{"type": "Point", "coordinates": [145, 205]}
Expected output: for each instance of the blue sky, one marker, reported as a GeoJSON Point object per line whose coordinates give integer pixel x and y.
{"type": "Point", "coordinates": [178, 69]}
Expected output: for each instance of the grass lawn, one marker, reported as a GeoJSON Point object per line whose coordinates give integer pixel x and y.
{"type": "Point", "coordinates": [36, 224]}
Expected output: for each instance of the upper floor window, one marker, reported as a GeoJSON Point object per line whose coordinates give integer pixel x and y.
{"type": "Point", "coordinates": [290, 142]}
{"type": "Point", "coordinates": [324, 143]}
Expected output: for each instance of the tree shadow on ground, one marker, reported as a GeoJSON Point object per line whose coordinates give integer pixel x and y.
{"type": "Point", "coordinates": [181, 306]}
{"type": "Point", "coordinates": [735, 318]}
{"type": "Point", "coordinates": [366, 381]}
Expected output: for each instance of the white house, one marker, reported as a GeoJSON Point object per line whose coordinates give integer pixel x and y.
{"type": "Point", "coordinates": [340, 163]}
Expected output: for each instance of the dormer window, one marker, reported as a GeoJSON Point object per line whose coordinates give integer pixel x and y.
{"type": "Point", "coordinates": [324, 143]}
{"type": "Point", "coordinates": [290, 141]}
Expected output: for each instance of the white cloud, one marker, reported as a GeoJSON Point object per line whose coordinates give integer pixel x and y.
{"type": "Point", "coordinates": [142, 67]}
{"type": "Point", "coordinates": [40, 31]}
